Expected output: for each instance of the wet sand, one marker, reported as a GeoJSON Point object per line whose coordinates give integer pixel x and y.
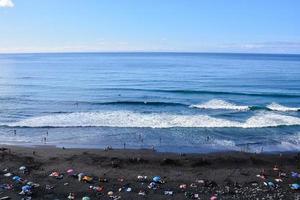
{"type": "Point", "coordinates": [228, 175]}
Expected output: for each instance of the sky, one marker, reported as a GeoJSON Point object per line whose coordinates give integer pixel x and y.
{"type": "Point", "coordinates": [245, 26]}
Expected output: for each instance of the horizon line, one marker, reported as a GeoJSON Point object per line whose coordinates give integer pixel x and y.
{"type": "Point", "coordinates": [187, 52]}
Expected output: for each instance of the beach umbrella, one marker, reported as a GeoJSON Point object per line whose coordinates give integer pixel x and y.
{"type": "Point", "coordinates": [295, 175]}
{"type": "Point", "coordinates": [8, 174]}
{"type": "Point", "coordinates": [71, 196]}
{"type": "Point", "coordinates": [213, 198]}
{"type": "Point", "coordinates": [16, 178]}
{"type": "Point", "coordinates": [156, 179]}
{"type": "Point", "coordinates": [295, 186]}
{"type": "Point", "coordinates": [271, 184]}
{"type": "Point", "coordinates": [86, 198]}
{"type": "Point", "coordinates": [22, 168]}
{"type": "Point", "coordinates": [55, 174]}
{"type": "Point", "coordinates": [26, 188]}
{"type": "Point", "coordinates": [30, 183]}
{"type": "Point", "coordinates": [110, 193]}
{"type": "Point", "coordinates": [70, 171]}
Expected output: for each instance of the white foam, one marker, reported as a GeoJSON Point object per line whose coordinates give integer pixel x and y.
{"type": "Point", "coordinates": [266, 119]}
{"type": "Point", "coordinates": [278, 107]}
{"type": "Point", "coordinates": [8, 139]}
{"type": "Point", "coordinates": [154, 120]}
{"type": "Point", "coordinates": [225, 143]}
{"type": "Point", "coordinates": [220, 104]}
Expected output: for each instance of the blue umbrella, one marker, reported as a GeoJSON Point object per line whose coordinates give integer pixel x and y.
{"type": "Point", "coordinates": [156, 179]}
{"type": "Point", "coordinates": [271, 184]}
{"type": "Point", "coordinates": [26, 188]}
{"type": "Point", "coordinates": [16, 178]}
{"type": "Point", "coordinates": [295, 186]}
{"type": "Point", "coordinates": [295, 175]}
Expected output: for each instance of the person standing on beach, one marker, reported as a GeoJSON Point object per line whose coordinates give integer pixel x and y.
{"type": "Point", "coordinates": [141, 138]}
{"type": "Point", "coordinates": [15, 132]}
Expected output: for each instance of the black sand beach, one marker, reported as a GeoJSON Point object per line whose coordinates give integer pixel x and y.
{"type": "Point", "coordinates": [230, 175]}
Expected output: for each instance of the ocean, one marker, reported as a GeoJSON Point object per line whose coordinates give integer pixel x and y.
{"type": "Point", "coordinates": [174, 102]}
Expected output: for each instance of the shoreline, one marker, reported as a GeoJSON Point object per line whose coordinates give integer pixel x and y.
{"type": "Point", "coordinates": [157, 149]}
{"type": "Point", "coordinates": [229, 175]}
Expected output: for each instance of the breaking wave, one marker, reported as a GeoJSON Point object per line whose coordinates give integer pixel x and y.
{"type": "Point", "coordinates": [153, 120]}
{"type": "Point", "coordinates": [220, 104]}
{"type": "Point", "coordinates": [278, 107]}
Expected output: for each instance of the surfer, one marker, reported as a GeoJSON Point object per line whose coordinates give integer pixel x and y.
{"type": "Point", "coordinates": [140, 138]}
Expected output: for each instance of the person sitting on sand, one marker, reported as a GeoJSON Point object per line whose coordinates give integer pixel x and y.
{"type": "Point", "coordinates": [262, 174]}
{"type": "Point", "coordinates": [276, 168]}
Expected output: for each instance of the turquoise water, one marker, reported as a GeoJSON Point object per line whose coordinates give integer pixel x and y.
{"type": "Point", "coordinates": [182, 102]}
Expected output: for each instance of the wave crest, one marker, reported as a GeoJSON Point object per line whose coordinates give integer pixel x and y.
{"type": "Point", "coordinates": [220, 104]}
{"type": "Point", "coordinates": [154, 120]}
{"type": "Point", "coordinates": [279, 107]}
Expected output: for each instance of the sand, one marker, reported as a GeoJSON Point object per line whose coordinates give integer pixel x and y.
{"type": "Point", "coordinates": [229, 175]}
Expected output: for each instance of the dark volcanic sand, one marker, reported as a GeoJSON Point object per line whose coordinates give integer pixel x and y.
{"type": "Point", "coordinates": [230, 175]}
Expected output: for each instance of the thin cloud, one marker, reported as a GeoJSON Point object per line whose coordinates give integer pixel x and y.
{"type": "Point", "coordinates": [6, 4]}
{"type": "Point", "coordinates": [278, 44]}
{"type": "Point", "coordinates": [264, 47]}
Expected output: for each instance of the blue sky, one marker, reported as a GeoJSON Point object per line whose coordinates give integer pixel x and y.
{"type": "Point", "coordinates": [261, 26]}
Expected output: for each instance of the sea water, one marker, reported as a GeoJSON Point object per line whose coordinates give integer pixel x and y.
{"type": "Point", "coordinates": [179, 102]}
